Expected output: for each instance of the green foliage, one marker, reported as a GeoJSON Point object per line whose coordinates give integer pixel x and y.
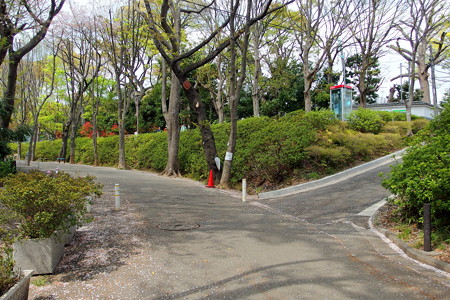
{"type": "Point", "coordinates": [48, 150]}
{"type": "Point", "coordinates": [45, 203]}
{"type": "Point", "coordinates": [365, 120]}
{"type": "Point", "coordinates": [441, 124]}
{"type": "Point", "coordinates": [275, 150]}
{"type": "Point", "coordinates": [372, 77]}
{"type": "Point", "coordinates": [320, 119]}
{"type": "Point", "coordinates": [7, 167]}
{"type": "Point", "coordinates": [147, 151]}
{"type": "Point", "coordinates": [424, 175]}
{"type": "Point", "coordinates": [8, 277]}
{"type": "Point", "coordinates": [329, 156]}
{"type": "Point", "coordinates": [268, 150]}
{"type": "Point", "coordinates": [284, 88]}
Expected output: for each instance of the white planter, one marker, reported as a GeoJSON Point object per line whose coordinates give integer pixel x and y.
{"type": "Point", "coordinates": [40, 255]}
{"type": "Point", "coordinates": [20, 290]}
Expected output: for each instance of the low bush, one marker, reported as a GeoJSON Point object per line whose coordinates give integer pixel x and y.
{"type": "Point", "coordinates": [320, 119]}
{"type": "Point", "coordinates": [329, 156]}
{"type": "Point", "coordinates": [8, 277]}
{"type": "Point", "coordinates": [423, 177]}
{"type": "Point", "coordinates": [267, 149]}
{"type": "Point", "coordinates": [424, 174]}
{"type": "Point", "coordinates": [365, 120]}
{"type": "Point", "coordinates": [277, 149]}
{"type": "Point", "coordinates": [7, 167]}
{"type": "Point", "coordinates": [45, 203]}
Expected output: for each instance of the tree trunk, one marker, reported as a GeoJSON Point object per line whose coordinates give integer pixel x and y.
{"type": "Point", "coordinates": [73, 135]}
{"type": "Point", "coordinates": [19, 150]}
{"type": "Point", "coordinates": [173, 129]}
{"type": "Point", "coordinates": [208, 142]}
{"type": "Point", "coordinates": [423, 73]}
{"type": "Point", "coordinates": [64, 140]}
{"type": "Point", "coordinates": [95, 134]}
{"type": "Point", "coordinates": [10, 92]}
{"type": "Point", "coordinates": [362, 88]}
{"type": "Point", "coordinates": [235, 91]}
{"type": "Point", "coordinates": [409, 102]}
{"type": "Point", "coordinates": [218, 98]}
{"type": "Point", "coordinates": [307, 80]}
{"type": "Point", "coordinates": [307, 87]}
{"type": "Point", "coordinates": [122, 164]}
{"type": "Point", "coordinates": [257, 74]}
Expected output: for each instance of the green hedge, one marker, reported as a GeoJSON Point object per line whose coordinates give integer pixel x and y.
{"type": "Point", "coordinates": [424, 175]}
{"type": "Point", "coordinates": [268, 150]}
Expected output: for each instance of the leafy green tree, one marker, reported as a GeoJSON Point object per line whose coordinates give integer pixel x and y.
{"type": "Point", "coordinates": [372, 79]}
{"type": "Point", "coordinates": [284, 89]}
{"type": "Point", "coordinates": [321, 93]}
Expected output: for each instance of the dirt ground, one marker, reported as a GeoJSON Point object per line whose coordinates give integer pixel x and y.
{"type": "Point", "coordinates": [386, 220]}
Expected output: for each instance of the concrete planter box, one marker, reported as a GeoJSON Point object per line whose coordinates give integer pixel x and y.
{"type": "Point", "coordinates": [67, 237]}
{"type": "Point", "coordinates": [40, 255]}
{"type": "Point", "coordinates": [20, 290]}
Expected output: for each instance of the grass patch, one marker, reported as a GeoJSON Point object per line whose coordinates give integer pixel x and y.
{"type": "Point", "coordinates": [40, 280]}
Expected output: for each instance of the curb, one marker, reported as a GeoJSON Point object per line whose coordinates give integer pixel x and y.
{"type": "Point", "coordinates": [338, 177]}
{"type": "Point", "coordinates": [417, 254]}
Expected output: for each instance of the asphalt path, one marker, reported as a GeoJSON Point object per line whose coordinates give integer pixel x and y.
{"type": "Point", "coordinates": [310, 245]}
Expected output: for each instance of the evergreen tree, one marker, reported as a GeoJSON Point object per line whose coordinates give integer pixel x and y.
{"type": "Point", "coordinates": [372, 79]}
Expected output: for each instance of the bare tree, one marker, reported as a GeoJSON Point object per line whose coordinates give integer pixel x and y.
{"type": "Point", "coordinates": [21, 17]}
{"type": "Point", "coordinates": [81, 65]}
{"type": "Point", "coordinates": [371, 26]}
{"type": "Point", "coordinates": [40, 84]}
{"type": "Point", "coordinates": [127, 54]}
{"type": "Point", "coordinates": [421, 31]}
{"type": "Point", "coordinates": [167, 45]}
{"type": "Point", "coordinates": [236, 82]}
{"type": "Point", "coordinates": [420, 26]}
{"type": "Point", "coordinates": [319, 26]}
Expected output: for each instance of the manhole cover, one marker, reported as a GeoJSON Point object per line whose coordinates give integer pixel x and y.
{"type": "Point", "coordinates": [178, 226]}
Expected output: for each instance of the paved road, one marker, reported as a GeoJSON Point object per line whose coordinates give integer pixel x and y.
{"type": "Point", "coordinates": [305, 246]}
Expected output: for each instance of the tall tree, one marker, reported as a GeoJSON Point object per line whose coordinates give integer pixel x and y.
{"type": "Point", "coordinates": [236, 82]}
{"type": "Point", "coordinates": [372, 81]}
{"type": "Point", "coordinates": [371, 27]}
{"type": "Point", "coordinates": [318, 25]}
{"type": "Point", "coordinates": [164, 39]}
{"type": "Point", "coordinates": [81, 62]}
{"type": "Point", "coordinates": [125, 46]}
{"type": "Point", "coordinates": [21, 17]}
{"type": "Point", "coordinates": [420, 24]}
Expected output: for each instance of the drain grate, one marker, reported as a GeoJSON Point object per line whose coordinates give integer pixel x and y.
{"type": "Point", "coordinates": [178, 226]}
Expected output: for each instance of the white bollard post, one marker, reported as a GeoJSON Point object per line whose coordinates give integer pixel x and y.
{"type": "Point", "coordinates": [89, 204]}
{"type": "Point", "coordinates": [117, 195]}
{"type": "Point", "coordinates": [244, 190]}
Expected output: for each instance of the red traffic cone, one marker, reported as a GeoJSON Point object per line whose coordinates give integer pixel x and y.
{"type": "Point", "coordinates": [211, 180]}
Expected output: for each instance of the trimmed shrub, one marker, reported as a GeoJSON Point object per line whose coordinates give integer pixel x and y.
{"type": "Point", "coordinates": [320, 119]}
{"type": "Point", "coordinates": [7, 167]}
{"type": "Point", "coordinates": [419, 124]}
{"type": "Point", "coordinates": [424, 175]}
{"type": "Point", "coordinates": [398, 127]}
{"type": "Point", "coordinates": [45, 203]}
{"type": "Point", "coordinates": [365, 120]}
{"type": "Point", "coordinates": [277, 149]}
{"type": "Point", "coordinates": [48, 150]}
{"type": "Point", "coordinates": [329, 156]}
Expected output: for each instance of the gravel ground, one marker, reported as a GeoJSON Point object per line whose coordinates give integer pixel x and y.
{"type": "Point", "coordinates": [102, 251]}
